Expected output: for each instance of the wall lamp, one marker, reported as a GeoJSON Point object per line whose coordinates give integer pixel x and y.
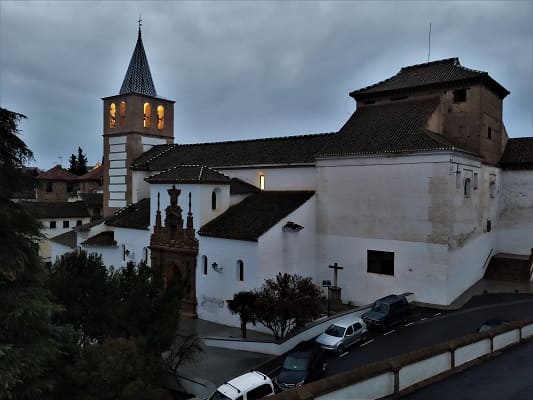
{"type": "Point", "coordinates": [217, 268]}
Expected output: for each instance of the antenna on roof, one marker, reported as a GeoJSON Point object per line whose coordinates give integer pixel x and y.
{"type": "Point", "coordinates": [429, 41]}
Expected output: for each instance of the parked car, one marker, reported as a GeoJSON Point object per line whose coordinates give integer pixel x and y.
{"type": "Point", "coordinates": [387, 312]}
{"type": "Point", "coordinates": [491, 324]}
{"type": "Point", "coordinates": [342, 334]}
{"type": "Point", "coordinates": [250, 386]}
{"type": "Point", "coordinates": [305, 363]}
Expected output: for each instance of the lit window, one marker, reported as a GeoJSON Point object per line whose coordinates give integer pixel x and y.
{"type": "Point", "coordinates": [112, 115]}
{"type": "Point", "coordinates": [160, 117]}
{"type": "Point", "coordinates": [204, 265]}
{"type": "Point", "coordinates": [468, 187]}
{"type": "Point", "coordinates": [122, 109]}
{"type": "Point", "coordinates": [380, 262]}
{"type": "Point", "coordinates": [262, 182]}
{"type": "Point", "coordinates": [147, 115]}
{"type": "Point", "coordinates": [240, 270]}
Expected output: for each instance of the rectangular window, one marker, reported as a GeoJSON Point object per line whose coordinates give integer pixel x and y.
{"type": "Point", "coordinates": [459, 96]}
{"type": "Point", "coordinates": [52, 224]}
{"type": "Point", "coordinates": [49, 187]}
{"type": "Point", "coordinates": [476, 179]}
{"type": "Point", "coordinates": [78, 222]}
{"type": "Point", "coordinates": [66, 224]}
{"type": "Point", "coordinates": [380, 262]}
{"type": "Point", "coordinates": [489, 225]}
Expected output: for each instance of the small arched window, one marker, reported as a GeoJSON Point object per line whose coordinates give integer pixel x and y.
{"type": "Point", "coordinates": [204, 265]}
{"type": "Point", "coordinates": [468, 187]}
{"type": "Point", "coordinates": [147, 115]}
{"type": "Point", "coordinates": [262, 182]}
{"type": "Point", "coordinates": [122, 109]}
{"type": "Point", "coordinates": [160, 117]}
{"type": "Point", "coordinates": [240, 270]}
{"type": "Point", "coordinates": [214, 200]}
{"type": "Point", "coordinates": [112, 115]}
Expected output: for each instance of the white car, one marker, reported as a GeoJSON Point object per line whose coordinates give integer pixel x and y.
{"type": "Point", "coordinates": [342, 334]}
{"type": "Point", "coordinates": [250, 386]}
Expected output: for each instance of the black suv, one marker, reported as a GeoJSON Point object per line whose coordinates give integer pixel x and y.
{"type": "Point", "coordinates": [305, 363]}
{"type": "Point", "coordinates": [387, 311]}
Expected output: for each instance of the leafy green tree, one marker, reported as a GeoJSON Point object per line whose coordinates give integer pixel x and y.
{"type": "Point", "coordinates": [243, 303]}
{"type": "Point", "coordinates": [287, 301]}
{"type": "Point", "coordinates": [29, 341]}
{"type": "Point", "coordinates": [80, 282]}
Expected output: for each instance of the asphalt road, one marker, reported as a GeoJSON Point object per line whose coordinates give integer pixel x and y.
{"type": "Point", "coordinates": [427, 327]}
{"type": "Point", "coordinates": [505, 377]}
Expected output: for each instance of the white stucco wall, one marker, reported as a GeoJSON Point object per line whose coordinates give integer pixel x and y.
{"type": "Point", "coordinates": [140, 189]}
{"type": "Point", "coordinates": [58, 230]}
{"type": "Point", "coordinates": [277, 178]}
{"type": "Point", "coordinates": [135, 241]}
{"type": "Point", "coordinates": [515, 230]}
{"type": "Point", "coordinates": [58, 249]}
{"type": "Point", "coordinates": [111, 255]}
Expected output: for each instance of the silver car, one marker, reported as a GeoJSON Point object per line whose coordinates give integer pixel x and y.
{"type": "Point", "coordinates": [342, 334]}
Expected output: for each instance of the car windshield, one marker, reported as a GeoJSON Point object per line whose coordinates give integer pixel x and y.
{"type": "Point", "coordinates": [293, 363]}
{"type": "Point", "coordinates": [335, 330]}
{"type": "Point", "coordinates": [218, 396]}
{"type": "Point", "coordinates": [380, 307]}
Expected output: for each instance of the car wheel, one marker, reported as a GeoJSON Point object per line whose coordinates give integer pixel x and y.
{"type": "Point", "coordinates": [340, 349]}
{"type": "Point", "coordinates": [364, 336]}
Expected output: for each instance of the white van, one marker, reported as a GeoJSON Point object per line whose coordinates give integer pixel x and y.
{"type": "Point", "coordinates": [250, 386]}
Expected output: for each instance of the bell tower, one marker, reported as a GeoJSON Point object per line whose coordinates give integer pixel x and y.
{"type": "Point", "coordinates": [134, 120]}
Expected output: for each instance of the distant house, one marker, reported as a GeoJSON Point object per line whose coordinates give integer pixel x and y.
{"type": "Point", "coordinates": [56, 184]}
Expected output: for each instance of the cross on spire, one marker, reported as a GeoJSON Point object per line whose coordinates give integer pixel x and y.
{"type": "Point", "coordinates": [140, 24]}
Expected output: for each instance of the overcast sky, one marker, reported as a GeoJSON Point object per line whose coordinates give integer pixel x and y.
{"type": "Point", "coordinates": [242, 70]}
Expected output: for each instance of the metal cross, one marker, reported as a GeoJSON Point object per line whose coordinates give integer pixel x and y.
{"type": "Point", "coordinates": [335, 267]}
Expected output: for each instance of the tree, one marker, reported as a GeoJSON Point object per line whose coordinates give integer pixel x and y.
{"type": "Point", "coordinates": [78, 165]}
{"type": "Point", "coordinates": [243, 303]}
{"type": "Point", "coordinates": [29, 341]}
{"type": "Point", "coordinates": [285, 302]}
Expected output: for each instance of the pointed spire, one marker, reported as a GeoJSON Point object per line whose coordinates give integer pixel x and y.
{"type": "Point", "coordinates": [138, 78]}
{"type": "Point", "coordinates": [158, 213]}
{"type": "Point", "coordinates": [189, 215]}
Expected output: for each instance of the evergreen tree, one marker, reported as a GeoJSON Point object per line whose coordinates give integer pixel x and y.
{"type": "Point", "coordinates": [73, 161]}
{"type": "Point", "coordinates": [29, 342]}
{"type": "Point", "coordinates": [82, 162]}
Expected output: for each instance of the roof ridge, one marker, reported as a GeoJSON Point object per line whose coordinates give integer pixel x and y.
{"type": "Point", "coordinates": [451, 60]}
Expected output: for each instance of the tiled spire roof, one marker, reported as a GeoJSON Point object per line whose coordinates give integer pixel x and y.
{"type": "Point", "coordinates": [138, 78]}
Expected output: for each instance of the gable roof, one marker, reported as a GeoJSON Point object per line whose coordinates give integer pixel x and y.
{"type": "Point", "coordinates": [106, 238]}
{"type": "Point", "coordinates": [389, 128]}
{"type": "Point", "coordinates": [134, 216]}
{"type": "Point", "coordinates": [238, 186]}
{"type": "Point", "coordinates": [518, 154]}
{"type": "Point", "coordinates": [96, 174]}
{"type": "Point", "coordinates": [68, 239]}
{"type": "Point", "coordinates": [58, 174]}
{"type": "Point", "coordinates": [60, 209]}
{"type": "Point", "coordinates": [441, 72]}
{"type": "Point", "coordinates": [255, 215]}
{"type": "Point", "coordinates": [138, 78]}
{"type": "Point", "coordinates": [189, 174]}
{"type": "Point", "coordinates": [281, 150]}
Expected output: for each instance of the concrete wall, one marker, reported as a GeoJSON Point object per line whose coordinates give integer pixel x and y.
{"type": "Point", "coordinates": [515, 230]}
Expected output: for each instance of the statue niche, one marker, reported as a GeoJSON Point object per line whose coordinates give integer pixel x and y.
{"type": "Point", "coordinates": [174, 250]}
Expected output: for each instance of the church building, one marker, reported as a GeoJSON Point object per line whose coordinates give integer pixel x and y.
{"type": "Point", "coordinates": [417, 192]}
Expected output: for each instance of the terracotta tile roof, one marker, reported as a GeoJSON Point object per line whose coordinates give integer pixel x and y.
{"type": "Point", "coordinates": [189, 174]}
{"type": "Point", "coordinates": [439, 72]}
{"type": "Point", "coordinates": [390, 128]}
{"type": "Point", "coordinates": [106, 238]}
{"type": "Point", "coordinates": [238, 186]}
{"type": "Point", "coordinates": [255, 215]}
{"type": "Point", "coordinates": [518, 154]}
{"type": "Point", "coordinates": [68, 238]}
{"type": "Point", "coordinates": [58, 174]}
{"type": "Point", "coordinates": [49, 209]}
{"type": "Point", "coordinates": [282, 150]}
{"type": "Point", "coordinates": [135, 216]}
{"type": "Point", "coordinates": [96, 174]}
{"type": "Point", "coordinates": [93, 200]}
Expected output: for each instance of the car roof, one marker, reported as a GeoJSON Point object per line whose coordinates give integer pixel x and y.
{"type": "Point", "coordinates": [346, 322]}
{"type": "Point", "coordinates": [391, 298]}
{"type": "Point", "coordinates": [242, 383]}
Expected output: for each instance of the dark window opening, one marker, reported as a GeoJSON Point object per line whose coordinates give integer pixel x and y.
{"type": "Point", "coordinates": [52, 224]}
{"type": "Point", "coordinates": [489, 225]}
{"type": "Point", "coordinates": [213, 200]}
{"type": "Point", "coordinates": [70, 187]}
{"type": "Point", "coordinates": [66, 224]}
{"type": "Point", "coordinates": [240, 270]}
{"type": "Point", "coordinates": [468, 187]}
{"type": "Point", "coordinates": [49, 187]}
{"type": "Point", "coordinates": [459, 96]}
{"type": "Point", "coordinates": [380, 262]}
{"type": "Point", "coordinates": [489, 132]}
{"type": "Point", "coordinates": [204, 266]}
{"type": "Point", "coordinates": [78, 222]}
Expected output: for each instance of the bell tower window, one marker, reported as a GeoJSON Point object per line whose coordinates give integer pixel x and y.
{"type": "Point", "coordinates": [147, 115]}
{"type": "Point", "coordinates": [112, 115]}
{"type": "Point", "coordinates": [122, 109]}
{"type": "Point", "coordinates": [160, 117]}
